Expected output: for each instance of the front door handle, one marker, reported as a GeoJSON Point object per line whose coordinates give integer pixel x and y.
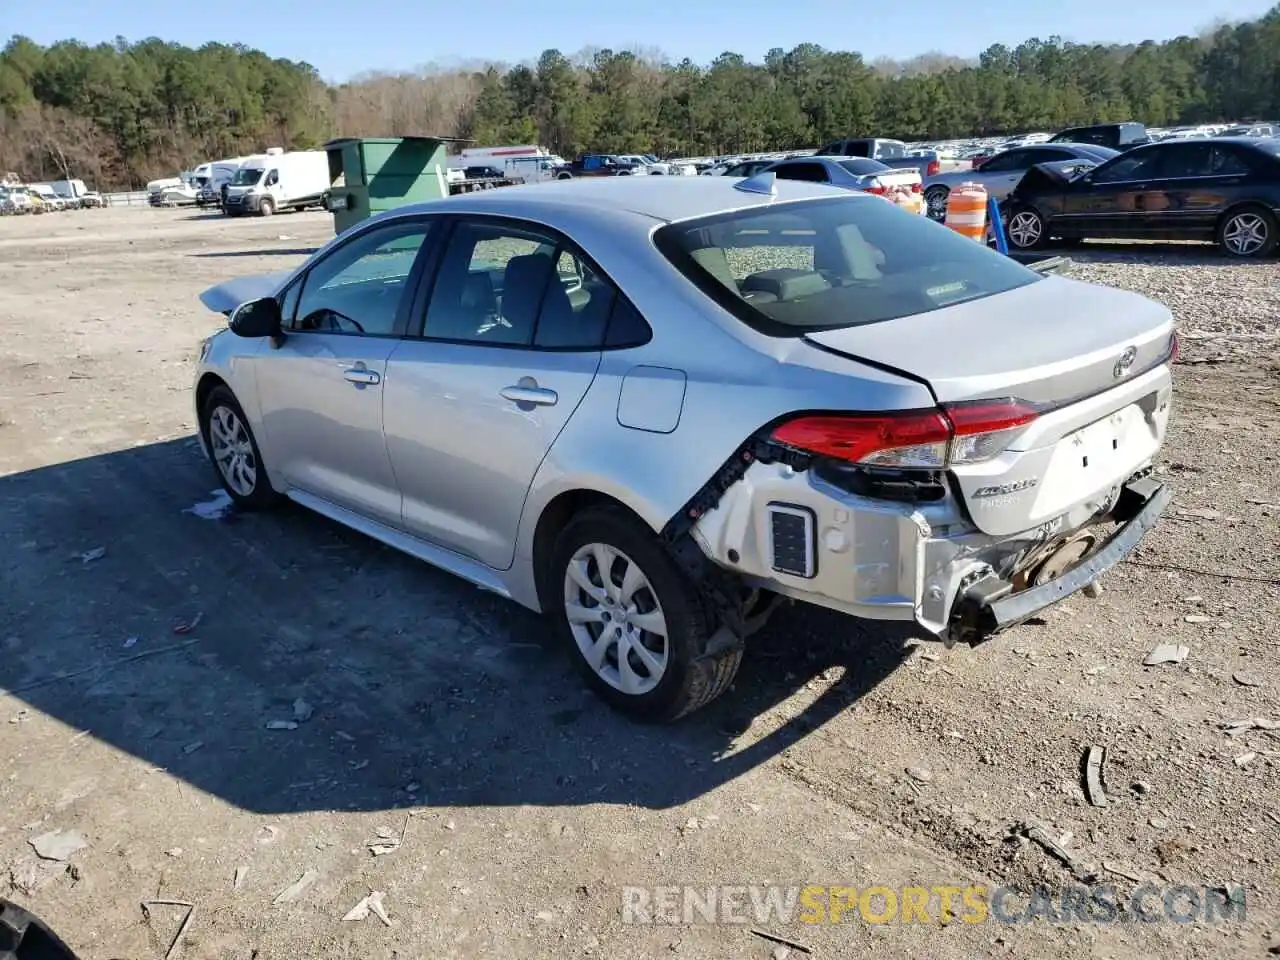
{"type": "Point", "coordinates": [362, 377]}
{"type": "Point", "coordinates": [536, 396]}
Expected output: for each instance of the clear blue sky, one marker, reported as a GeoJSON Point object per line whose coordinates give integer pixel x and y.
{"type": "Point", "coordinates": [341, 38]}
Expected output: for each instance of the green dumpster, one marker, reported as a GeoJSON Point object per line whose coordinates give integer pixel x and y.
{"type": "Point", "coordinates": [368, 176]}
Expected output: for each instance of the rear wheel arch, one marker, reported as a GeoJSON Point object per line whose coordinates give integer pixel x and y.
{"type": "Point", "coordinates": [1268, 217]}
{"type": "Point", "coordinates": [553, 518]}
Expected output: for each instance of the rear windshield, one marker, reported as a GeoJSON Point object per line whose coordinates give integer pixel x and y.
{"type": "Point", "coordinates": [825, 264]}
{"type": "Point", "coordinates": [860, 166]}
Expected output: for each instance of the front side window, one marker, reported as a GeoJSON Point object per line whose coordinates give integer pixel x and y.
{"type": "Point", "coordinates": [794, 268]}
{"type": "Point", "coordinates": [1010, 160]}
{"type": "Point", "coordinates": [506, 285]}
{"type": "Point", "coordinates": [358, 287]}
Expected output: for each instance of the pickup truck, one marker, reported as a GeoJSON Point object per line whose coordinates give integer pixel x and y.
{"type": "Point", "coordinates": [1118, 136]}
{"type": "Point", "coordinates": [892, 153]}
{"type": "Point", "coordinates": [594, 165]}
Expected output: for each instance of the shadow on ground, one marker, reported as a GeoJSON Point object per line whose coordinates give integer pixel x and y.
{"type": "Point", "coordinates": [275, 252]}
{"type": "Point", "coordinates": [424, 690]}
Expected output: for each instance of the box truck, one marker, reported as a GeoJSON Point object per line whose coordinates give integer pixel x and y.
{"type": "Point", "coordinates": [276, 181]}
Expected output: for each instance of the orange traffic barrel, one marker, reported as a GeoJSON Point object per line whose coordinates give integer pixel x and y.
{"type": "Point", "coordinates": [967, 211]}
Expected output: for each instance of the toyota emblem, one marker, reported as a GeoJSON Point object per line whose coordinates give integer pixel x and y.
{"type": "Point", "coordinates": [1125, 362]}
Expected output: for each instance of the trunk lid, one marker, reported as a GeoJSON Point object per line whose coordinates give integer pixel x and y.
{"type": "Point", "coordinates": [1049, 342]}
{"type": "Point", "coordinates": [1092, 358]}
{"type": "Point", "coordinates": [225, 297]}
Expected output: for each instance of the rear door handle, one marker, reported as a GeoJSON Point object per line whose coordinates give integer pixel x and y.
{"type": "Point", "coordinates": [537, 396]}
{"type": "Point", "coordinates": [365, 378]}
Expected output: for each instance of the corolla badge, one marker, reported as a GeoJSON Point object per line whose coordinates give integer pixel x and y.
{"type": "Point", "coordinates": [1125, 362]}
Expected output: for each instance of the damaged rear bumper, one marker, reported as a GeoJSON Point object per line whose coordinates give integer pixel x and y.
{"type": "Point", "coordinates": [792, 533]}
{"type": "Point", "coordinates": [991, 605]}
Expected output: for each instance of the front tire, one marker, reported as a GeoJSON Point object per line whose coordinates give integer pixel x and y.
{"type": "Point", "coordinates": [1025, 229]}
{"type": "Point", "coordinates": [267, 207]}
{"type": "Point", "coordinates": [633, 621]}
{"type": "Point", "coordinates": [1248, 233]}
{"type": "Point", "coordinates": [234, 452]}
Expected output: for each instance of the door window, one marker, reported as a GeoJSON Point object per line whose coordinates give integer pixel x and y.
{"type": "Point", "coordinates": [812, 172]}
{"type": "Point", "coordinates": [1129, 167]}
{"type": "Point", "coordinates": [1006, 162]}
{"type": "Point", "coordinates": [358, 288]}
{"type": "Point", "coordinates": [516, 287]}
{"type": "Point", "coordinates": [1226, 161]}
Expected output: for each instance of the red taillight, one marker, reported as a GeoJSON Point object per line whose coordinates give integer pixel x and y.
{"type": "Point", "coordinates": [877, 189]}
{"type": "Point", "coordinates": [920, 439]}
{"type": "Point", "coordinates": [917, 188]}
{"type": "Point", "coordinates": [933, 169]}
{"type": "Point", "coordinates": [1175, 347]}
{"type": "Point", "coordinates": [983, 428]}
{"type": "Point", "coordinates": [910, 439]}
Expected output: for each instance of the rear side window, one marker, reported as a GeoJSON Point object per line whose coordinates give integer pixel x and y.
{"type": "Point", "coordinates": [793, 268]}
{"type": "Point", "coordinates": [860, 166]}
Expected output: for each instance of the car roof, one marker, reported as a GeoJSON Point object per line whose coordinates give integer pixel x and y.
{"type": "Point", "coordinates": [650, 197]}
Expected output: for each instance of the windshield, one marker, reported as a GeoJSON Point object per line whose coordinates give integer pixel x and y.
{"type": "Point", "coordinates": [247, 176]}
{"type": "Point", "coordinates": [861, 167]}
{"type": "Point", "coordinates": [1099, 151]}
{"type": "Point", "coordinates": [826, 264]}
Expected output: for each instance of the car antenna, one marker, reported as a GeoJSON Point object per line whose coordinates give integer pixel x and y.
{"type": "Point", "coordinates": [764, 183]}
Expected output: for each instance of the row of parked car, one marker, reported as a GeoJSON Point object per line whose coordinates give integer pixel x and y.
{"type": "Point", "coordinates": [19, 198]}
{"type": "Point", "coordinates": [1109, 181]}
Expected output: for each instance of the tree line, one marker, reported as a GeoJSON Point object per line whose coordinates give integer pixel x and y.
{"type": "Point", "coordinates": [123, 113]}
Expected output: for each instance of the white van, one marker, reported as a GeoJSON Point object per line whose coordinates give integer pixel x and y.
{"type": "Point", "coordinates": [278, 181]}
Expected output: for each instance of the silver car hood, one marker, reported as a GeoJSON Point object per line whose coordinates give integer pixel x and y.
{"type": "Point", "coordinates": [1051, 341]}
{"type": "Point", "coordinates": [225, 297]}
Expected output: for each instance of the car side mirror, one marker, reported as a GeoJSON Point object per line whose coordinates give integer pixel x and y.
{"type": "Point", "coordinates": [257, 318]}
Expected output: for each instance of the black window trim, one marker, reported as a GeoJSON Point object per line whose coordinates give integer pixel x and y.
{"type": "Point", "coordinates": [413, 281]}
{"type": "Point", "coordinates": [416, 327]}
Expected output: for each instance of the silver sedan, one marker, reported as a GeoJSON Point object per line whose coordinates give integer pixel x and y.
{"type": "Point", "coordinates": [1000, 173]}
{"type": "Point", "coordinates": [654, 407]}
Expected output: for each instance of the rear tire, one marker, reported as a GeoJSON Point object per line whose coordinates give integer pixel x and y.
{"type": "Point", "coordinates": [639, 631]}
{"type": "Point", "coordinates": [1248, 232]}
{"type": "Point", "coordinates": [233, 451]}
{"type": "Point", "coordinates": [1025, 229]}
{"type": "Point", "coordinates": [935, 200]}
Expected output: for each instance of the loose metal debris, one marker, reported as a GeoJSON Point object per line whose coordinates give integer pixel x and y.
{"type": "Point", "coordinates": [370, 904]}
{"type": "Point", "coordinates": [1039, 833]}
{"type": "Point", "coordinates": [386, 841]}
{"type": "Point", "coordinates": [186, 920]}
{"type": "Point", "coordinates": [298, 888]}
{"type": "Point", "coordinates": [1166, 653]}
{"type": "Point", "coordinates": [1094, 757]}
{"type": "Point", "coordinates": [774, 938]}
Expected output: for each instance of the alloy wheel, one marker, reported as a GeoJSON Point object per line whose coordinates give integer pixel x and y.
{"type": "Point", "coordinates": [1244, 234]}
{"type": "Point", "coordinates": [1025, 229]}
{"type": "Point", "coordinates": [616, 619]}
{"type": "Point", "coordinates": [233, 451]}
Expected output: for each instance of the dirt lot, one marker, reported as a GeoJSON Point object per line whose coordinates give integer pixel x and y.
{"type": "Point", "coordinates": [441, 715]}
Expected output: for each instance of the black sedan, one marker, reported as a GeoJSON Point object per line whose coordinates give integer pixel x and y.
{"type": "Point", "coordinates": [1222, 190]}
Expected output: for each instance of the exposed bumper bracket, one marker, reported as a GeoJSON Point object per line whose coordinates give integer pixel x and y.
{"type": "Point", "coordinates": [989, 607]}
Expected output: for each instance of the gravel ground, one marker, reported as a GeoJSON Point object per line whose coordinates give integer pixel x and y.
{"type": "Point", "coordinates": [441, 722]}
